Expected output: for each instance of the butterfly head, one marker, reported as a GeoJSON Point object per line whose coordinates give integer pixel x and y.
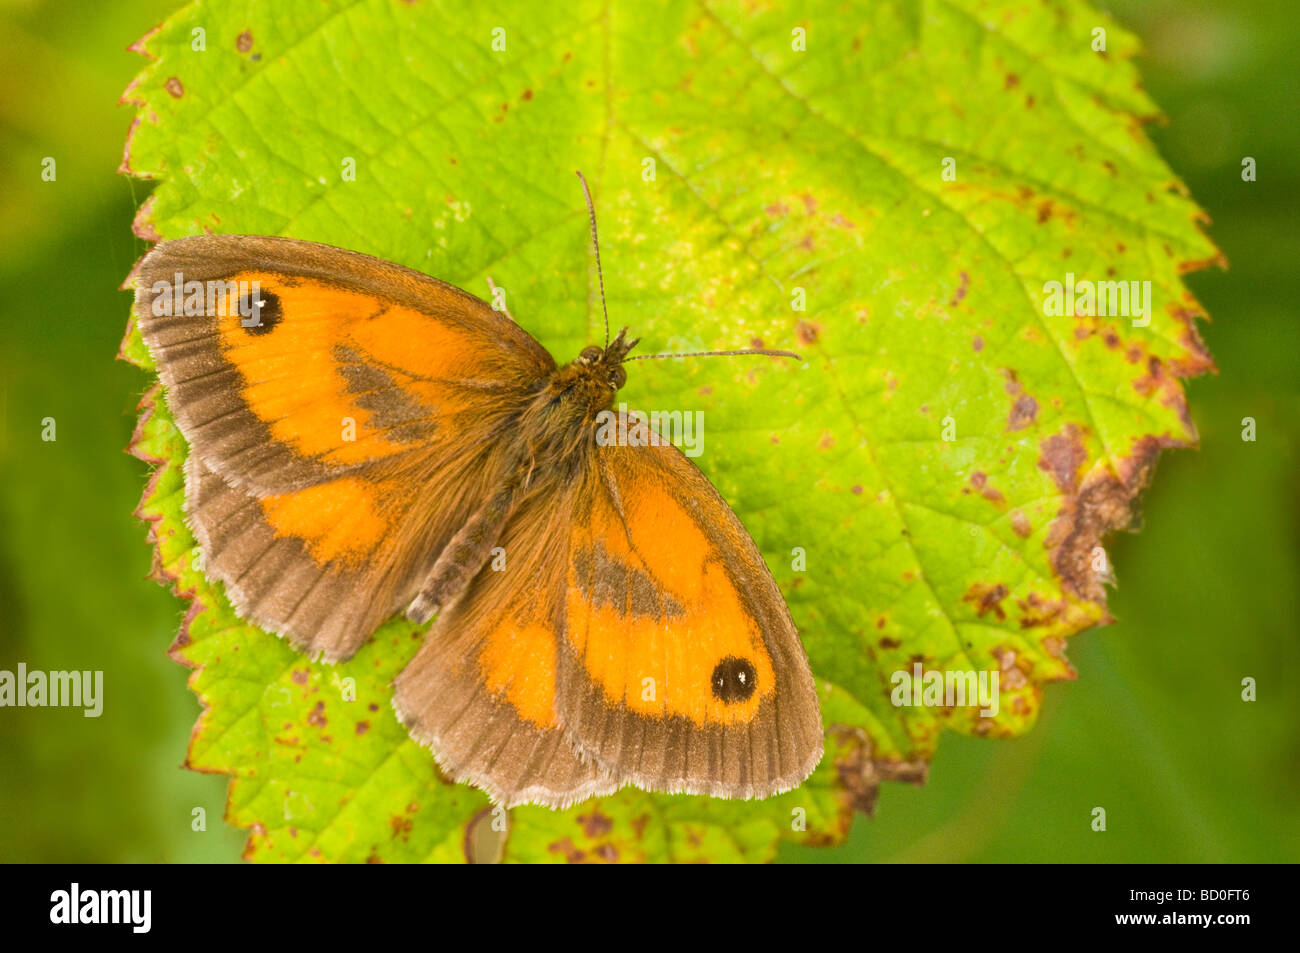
{"type": "Point", "coordinates": [603, 367]}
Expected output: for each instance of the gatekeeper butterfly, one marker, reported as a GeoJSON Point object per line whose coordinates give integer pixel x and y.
{"type": "Point", "coordinates": [367, 440]}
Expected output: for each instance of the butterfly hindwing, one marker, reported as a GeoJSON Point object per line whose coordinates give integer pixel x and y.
{"type": "Point", "coordinates": [290, 563]}
{"type": "Point", "coordinates": [679, 668]}
{"type": "Point", "coordinates": [480, 693]}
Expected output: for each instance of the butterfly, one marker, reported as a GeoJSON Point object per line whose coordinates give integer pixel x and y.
{"type": "Point", "coordinates": [366, 440]}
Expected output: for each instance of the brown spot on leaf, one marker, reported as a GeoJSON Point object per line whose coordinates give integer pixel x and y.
{"type": "Point", "coordinates": [570, 851]}
{"type": "Point", "coordinates": [1148, 383]}
{"type": "Point", "coordinates": [1020, 525]}
{"type": "Point", "coordinates": [808, 331]}
{"type": "Point", "coordinates": [317, 716]}
{"type": "Point", "coordinates": [1024, 410]}
{"type": "Point", "coordinates": [860, 774]}
{"type": "Point", "coordinates": [1010, 674]}
{"type": "Point", "coordinates": [1062, 456]}
{"type": "Point", "coordinates": [977, 343]}
{"type": "Point", "coordinates": [888, 643]}
{"type": "Point", "coordinates": [174, 87]}
{"type": "Point", "coordinates": [960, 293]}
{"type": "Point", "coordinates": [1023, 413]}
{"type": "Point", "coordinates": [1036, 610]}
{"type": "Point", "coordinates": [1198, 359]}
{"type": "Point", "coordinates": [299, 676]}
{"type": "Point", "coordinates": [1012, 385]}
{"type": "Point", "coordinates": [986, 598]}
{"type": "Point", "coordinates": [528, 94]}
{"type": "Point", "coordinates": [1103, 504]}
{"type": "Point", "coordinates": [992, 494]}
{"type": "Point", "coordinates": [595, 824]}
{"type": "Point", "coordinates": [401, 827]}
{"type": "Point", "coordinates": [244, 42]}
{"type": "Point", "coordinates": [363, 727]}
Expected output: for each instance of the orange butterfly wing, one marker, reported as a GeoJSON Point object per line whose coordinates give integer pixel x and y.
{"type": "Point", "coordinates": [350, 361]}
{"type": "Point", "coordinates": [627, 594]}
{"type": "Point", "coordinates": [339, 433]}
{"type": "Point", "coordinates": [679, 668]}
{"type": "Point", "coordinates": [480, 693]}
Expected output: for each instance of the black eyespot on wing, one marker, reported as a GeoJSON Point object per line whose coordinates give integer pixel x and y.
{"type": "Point", "coordinates": [734, 680]}
{"type": "Point", "coordinates": [262, 311]}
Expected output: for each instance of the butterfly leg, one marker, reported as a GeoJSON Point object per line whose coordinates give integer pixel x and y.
{"type": "Point", "coordinates": [462, 558]}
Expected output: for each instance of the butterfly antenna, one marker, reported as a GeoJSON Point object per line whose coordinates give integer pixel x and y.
{"type": "Point", "coordinates": [595, 243]}
{"type": "Point", "coordinates": [751, 350]}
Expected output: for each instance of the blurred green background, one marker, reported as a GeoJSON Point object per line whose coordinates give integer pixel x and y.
{"type": "Point", "coordinates": [1154, 731]}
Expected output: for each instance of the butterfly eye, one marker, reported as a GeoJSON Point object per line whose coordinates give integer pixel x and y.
{"type": "Point", "coordinates": [589, 355]}
{"type": "Point", "coordinates": [617, 377]}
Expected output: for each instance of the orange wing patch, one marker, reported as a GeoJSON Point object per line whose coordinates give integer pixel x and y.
{"type": "Point", "coordinates": [343, 376]}
{"type": "Point", "coordinates": [340, 522]}
{"type": "Point", "coordinates": [518, 662]}
{"type": "Point", "coordinates": [655, 616]}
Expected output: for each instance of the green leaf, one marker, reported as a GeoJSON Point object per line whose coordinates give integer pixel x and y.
{"type": "Point", "coordinates": [779, 174]}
